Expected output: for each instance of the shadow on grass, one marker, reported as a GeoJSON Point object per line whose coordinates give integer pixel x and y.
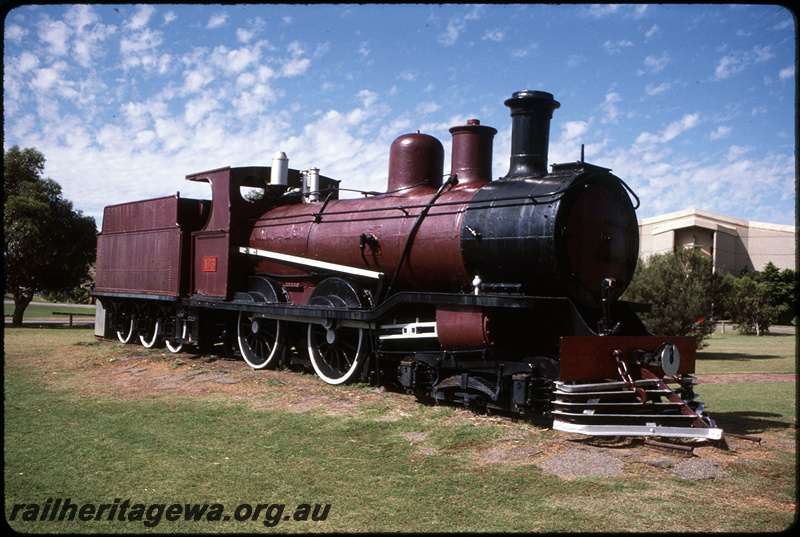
{"type": "Point", "coordinates": [735, 356]}
{"type": "Point", "coordinates": [748, 422]}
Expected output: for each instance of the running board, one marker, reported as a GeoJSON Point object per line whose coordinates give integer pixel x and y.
{"type": "Point", "coordinates": [308, 263]}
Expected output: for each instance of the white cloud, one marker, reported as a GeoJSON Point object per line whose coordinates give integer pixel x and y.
{"type": "Point", "coordinates": [575, 60]}
{"type": "Point", "coordinates": [657, 63]}
{"type": "Point", "coordinates": [720, 132]}
{"type": "Point", "coordinates": [89, 34]}
{"type": "Point", "coordinates": [646, 141]}
{"type": "Point", "coordinates": [237, 60]}
{"type": "Point", "coordinates": [27, 61]}
{"type": "Point", "coordinates": [136, 114]}
{"type": "Point", "coordinates": [79, 16]}
{"type": "Point", "coordinates": [784, 25]}
{"type": "Point", "coordinates": [199, 108]}
{"type": "Point", "coordinates": [243, 35]}
{"type": "Point", "coordinates": [169, 17]}
{"type": "Point", "coordinates": [367, 97]}
{"type": "Point", "coordinates": [140, 19]}
{"type": "Point", "coordinates": [652, 31]}
{"type": "Point", "coordinates": [56, 35]}
{"type": "Point", "coordinates": [253, 102]}
{"type": "Point", "coordinates": [652, 89]}
{"type": "Point", "coordinates": [493, 35]}
{"type": "Point", "coordinates": [730, 183]}
{"type": "Point", "coordinates": [217, 20]}
{"type": "Point", "coordinates": [567, 148]}
{"type": "Point", "coordinates": [427, 108]}
{"type": "Point", "coordinates": [295, 66]}
{"type": "Point", "coordinates": [322, 49]}
{"type": "Point", "coordinates": [408, 76]}
{"type": "Point", "coordinates": [195, 79]}
{"type": "Point", "coordinates": [574, 129]}
{"type": "Point", "coordinates": [736, 152]}
{"type": "Point", "coordinates": [610, 109]}
{"type": "Point", "coordinates": [139, 49]}
{"type": "Point", "coordinates": [677, 127]}
{"type": "Point", "coordinates": [296, 48]}
{"type": "Point", "coordinates": [737, 61]}
{"type": "Point", "coordinates": [762, 54]}
{"type": "Point", "coordinates": [15, 33]}
{"type": "Point", "coordinates": [615, 47]}
{"type": "Point", "coordinates": [599, 11]}
{"type": "Point", "coordinates": [456, 25]}
{"type": "Point", "coordinates": [45, 79]}
{"type": "Point", "coordinates": [786, 73]}
{"type": "Point", "coordinates": [523, 52]}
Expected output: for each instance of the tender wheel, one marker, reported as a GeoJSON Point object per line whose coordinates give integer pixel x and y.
{"type": "Point", "coordinates": [126, 334]}
{"type": "Point", "coordinates": [259, 340]}
{"type": "Point", "coordinates": [153, 336]}
{"type": "Point", "coordinates": [177, 347]}
{"type": "Point", "coordinates": [337, 353]}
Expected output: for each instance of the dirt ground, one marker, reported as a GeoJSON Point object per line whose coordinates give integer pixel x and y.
{"type": "Point", "coordinates": [568, 455]}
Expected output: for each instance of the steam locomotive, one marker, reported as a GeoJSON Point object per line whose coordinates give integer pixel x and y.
{"type": "Point", "coordinates": [496, 294]}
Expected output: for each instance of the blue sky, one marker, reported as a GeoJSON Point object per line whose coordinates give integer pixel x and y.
{"type": "Point", "coordinates": [691, 105]}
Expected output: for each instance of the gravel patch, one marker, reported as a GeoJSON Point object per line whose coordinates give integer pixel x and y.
{"type": "Point", "coordinates": [580, 462]}
{"type": "Point", "coordinates": [697, 470]}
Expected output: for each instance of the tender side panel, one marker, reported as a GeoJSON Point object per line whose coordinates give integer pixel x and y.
{"type": "Point", "coordinates": [144, 245]}
{"type": "Point", "coordinates": [591, 358]}
{"type": "Point", "coordinates": [147, 262]}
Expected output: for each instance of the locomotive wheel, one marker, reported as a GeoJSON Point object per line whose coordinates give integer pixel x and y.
{"type": "Point", "coordinates": [259, 340]}
{"type": "Point", "coordinates": [176, 347]}
{"type": "Point", "coordinates": [126, 334]}
{"type": "Point", "coordinates": [337, 353]}
{"type": "Point", "coordinates": [152, 337]}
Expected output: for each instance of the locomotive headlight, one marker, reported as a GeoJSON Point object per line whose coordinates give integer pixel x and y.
{"type": "Point", "coordinates": [670, 359]}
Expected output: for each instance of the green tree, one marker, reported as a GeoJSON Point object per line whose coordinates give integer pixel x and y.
{"type": "Point", "coordinates": [780, 287]}
{"type": "Point", "coordinates": [47, 246]}
{"type": "Point", "coordinates": [747, 305]}
{"type": "Point", "coordinates": [680, 288]}
{"type": "Point", "coordinates": [754, 301]}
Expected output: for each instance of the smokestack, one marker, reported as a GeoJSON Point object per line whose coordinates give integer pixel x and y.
{"type": "Point", "coordinates": [531, 112]}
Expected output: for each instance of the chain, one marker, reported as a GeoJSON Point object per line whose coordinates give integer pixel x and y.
{"type": "Point", "coordinates": [622, 369]}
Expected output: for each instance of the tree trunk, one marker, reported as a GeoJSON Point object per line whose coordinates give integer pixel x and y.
{"type": "Point", "coordinates": [21, 301]}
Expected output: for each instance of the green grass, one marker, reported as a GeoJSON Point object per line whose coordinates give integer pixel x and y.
{"type": "Point", "coordinates": [752, 408]}
{"type": "Point", "coordinates": [734, 353]}
{"type": "Point", "coordinates": [164, 449]}
{"type": "Point", "coordinates": [44, 312]}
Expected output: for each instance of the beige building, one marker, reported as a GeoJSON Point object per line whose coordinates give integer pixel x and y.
{"type": "Point", "coordinates": [733, 244]}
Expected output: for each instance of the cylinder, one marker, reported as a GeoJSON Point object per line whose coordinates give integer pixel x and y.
{"type": "Point", "coordinates": [463, 328]}
{"type": "Point", "coordinates": [415, 160]}
{"type": "Point", "coordinates": [279, 174]}
{"type": "Point", "coordinates": [531, 112]}
{"type": "Point", "coordinates": [472, 152]}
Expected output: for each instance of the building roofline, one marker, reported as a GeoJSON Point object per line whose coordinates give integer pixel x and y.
{"type": "Point", "coordinates": [713, 221]}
